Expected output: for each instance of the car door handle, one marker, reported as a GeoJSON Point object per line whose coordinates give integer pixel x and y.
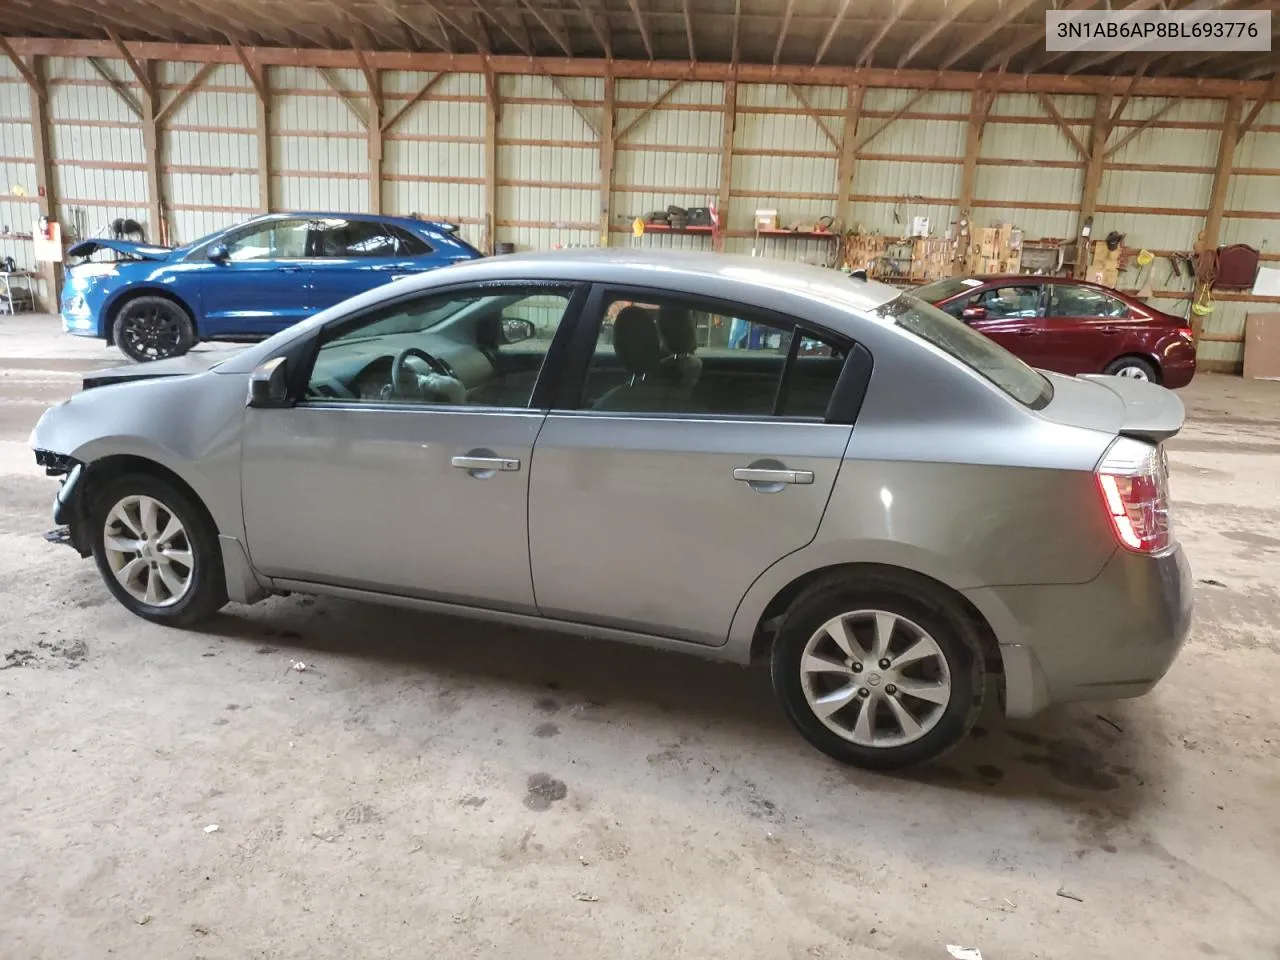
{"type": "Point", "coordinates": [755, 475]}
{"type": "Point", "coordinates": [290, 269]}
{"type": "Point", "coordinates": [1027, 333]}
{"type": "Point", "coordinates": [1110, 331]}
{"type": "Point", "coordinates": [486, 463]}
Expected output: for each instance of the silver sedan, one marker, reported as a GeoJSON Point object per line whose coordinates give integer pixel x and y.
{"type": "Point", "coordinates": [716, 455]}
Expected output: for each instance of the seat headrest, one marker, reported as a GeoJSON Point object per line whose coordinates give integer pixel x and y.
{"type": "Point", "coordinates": [678, 329]}
{"type": "Point", "coordinates": [635, 340]}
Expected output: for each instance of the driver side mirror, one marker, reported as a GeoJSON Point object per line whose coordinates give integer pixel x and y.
{"type": "Point", "coordinates": [516, 330]}
{"type": "Point", "coordinates": [974, 313]}
{"type": "Point", "coordinates": [218, 253]}
{"type": "Point", "coordinates": [269, 385]}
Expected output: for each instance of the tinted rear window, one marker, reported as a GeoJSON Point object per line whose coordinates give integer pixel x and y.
{"type": "Point", "coordinates": [971, 348]}
{"type": "Point", "coordinates": [943, 289]}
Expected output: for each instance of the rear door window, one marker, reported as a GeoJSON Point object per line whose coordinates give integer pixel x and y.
{"type": "Point", "coordinates": [975, 351]}
{"type": "Point", "coordinates": [1067, 300]}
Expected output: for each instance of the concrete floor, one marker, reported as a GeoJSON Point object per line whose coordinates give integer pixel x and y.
{"type": "Point", "coordinates": [428, 784]}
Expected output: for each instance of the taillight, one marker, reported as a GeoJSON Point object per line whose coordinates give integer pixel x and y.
{"type": "Point", "coordinates": [1134, 481]}
{"type": "Point", "coordinates": [1186, 333]}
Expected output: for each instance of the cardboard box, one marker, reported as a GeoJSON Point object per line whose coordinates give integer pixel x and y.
{"type": "Point", "coordinates": [766, 219]}
{"type": "Point", "coordinates": [1262, 346]}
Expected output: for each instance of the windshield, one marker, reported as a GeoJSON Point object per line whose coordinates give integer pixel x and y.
{"type": "Point", "coordinates": [971, 348]}
{"type": "Point", "coordinates": [943, 289]}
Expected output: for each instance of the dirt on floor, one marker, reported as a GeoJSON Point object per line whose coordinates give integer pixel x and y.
{"type": "Point", "coordinates": [317, 778]}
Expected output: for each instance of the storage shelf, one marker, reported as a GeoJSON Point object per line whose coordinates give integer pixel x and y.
{"type": "Point", "coordinates": [663, 228]}
{"type": "Point", "coordinates": [801, 234]}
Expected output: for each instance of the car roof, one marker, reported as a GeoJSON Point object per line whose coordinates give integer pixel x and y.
{"type": "Point", "coordinates": [345, 215]}
{"type": "Point", "coordinates": [632, 265]}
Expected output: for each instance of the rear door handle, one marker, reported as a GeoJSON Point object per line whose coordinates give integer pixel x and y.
{"type": "Point", "coordinates": [486, 463]}
{"type": "Point", "coordinates": [1027, 333]}
{"type": "Point", "coordinates": [755, 475]}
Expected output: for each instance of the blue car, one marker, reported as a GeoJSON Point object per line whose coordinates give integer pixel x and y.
{"type": "Point", "coordinates": [246, 282]}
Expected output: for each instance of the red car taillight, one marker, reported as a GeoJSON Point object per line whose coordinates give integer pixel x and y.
{"type": "Point", "coordinates": [1186, 333]}
{"type": "Point", "coordinates": [1134, 483]}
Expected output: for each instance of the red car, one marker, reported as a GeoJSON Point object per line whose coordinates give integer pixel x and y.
{"type": "Point", "coordinates": [1071, 326]}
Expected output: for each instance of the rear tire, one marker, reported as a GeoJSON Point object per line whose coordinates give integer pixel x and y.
{"type": "Point", "coordinates": [153, 328]}
{"type": "Point", "coordinates": [157, 550]}
{"type": "Point", "coordinates": [1132, 368]}
{"type": "Point", "coordinates": [907, 653]}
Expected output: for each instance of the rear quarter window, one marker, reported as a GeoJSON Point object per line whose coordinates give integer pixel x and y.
{"type": "Point", "coordinates": [977, 352]}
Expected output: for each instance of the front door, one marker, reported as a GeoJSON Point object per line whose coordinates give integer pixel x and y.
{"type": "Point", "coordinates": [684, 469]}
{"type": "Point", "coordinates": [394, 473]}
{"type": "Point", "coordinates": [264, 283]}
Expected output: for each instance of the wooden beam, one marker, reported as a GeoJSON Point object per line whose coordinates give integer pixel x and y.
{"type": "Point", "coordinates": [985, 32]}
{"type": "Point", "coordinates": [782, 33]}
{"type": "Point", "coordinates": [258, 81]}
{"type": "Point", "coordinates": [675, 85]}
{"type": "Point", "coordinates": [46, 183]}
{"type": "Point", "coordinates": [896, 114]}
{"type": "Point", "coordinates": [979, 108]}
{"type": "Point", "coordinates": [831, 31]}
{"type": "Point", "coordinates": [394, 9]}
{"type": "Point", "coordinates": [688, 31]}
{"type": "Point", "coordinates": [1227, 141]}
{"type": "Point", "coordinates": [156, 205]}
{"type": "Point", "coordinates": [848, 157]}
{"type": "Point", "coordinates": [1128, 94]}
{"type": "Point", "coordinates": [347, 97]}
{"type": "Point", "coordinates": [1079, 58]}
{"type": "Point", "coordinates": [374, 127]}
{"type": "Point", "coordinates": [1271, 93]}
{"type": "Point", "coordinates": [33, 81]}
{"type": "Point", "coordinates": [957, 7]}
{"type": "Point", "coordinates": [813, 114]}
{"type": "Point", "coordinates": [1092, 179]}
{"type": "Point", "coordinates": [139, 73]}
{"type": "Point", "coordinates": [262, 128]}
{"type": "Point", "coordinates": [577, 106]}
{"type": "Point", "coordinates": [644, 27]}
{"type": "Point", "coordinates": [370, 75]}
{"type": "Point", "coordinates": [606, 160]}
{"type": "Point", "coordinates": [389, 123]}
{"type": "Point", "coordinates": [1065, 127]}
{"type": "Point", "coordinates": [1142, 126]}
{"type": "Point", "coordinates": [181, 96]}
{"type": "Point", "coordinates": [117, 85]}
{"type": "Point", "coordinates": [724, 192]}
{"type": "Point", "coordinates": [703, 70]}
{"type": "Point", "coordinates": [561, 39]}
{"type": "Point", "coordinates": [1004, 57]}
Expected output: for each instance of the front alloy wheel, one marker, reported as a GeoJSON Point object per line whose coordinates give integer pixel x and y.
{"type": "Point", "coordinates": [147, 549]}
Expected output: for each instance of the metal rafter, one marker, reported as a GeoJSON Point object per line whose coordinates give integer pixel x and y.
{"type": "Point", "coordinates": [831, 31]}
{"type": "Point", "coordinates": [957, 8]}
{"type": "Point", "coordinates": [644, 27]}
{"type": "Point", "coordinates": [782, 33]}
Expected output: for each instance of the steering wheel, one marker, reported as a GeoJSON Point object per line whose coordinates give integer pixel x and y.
{"type": "Point", "coordinates": [439, 384]}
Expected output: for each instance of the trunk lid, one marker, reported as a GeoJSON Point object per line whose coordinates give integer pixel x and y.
{"type": "Point", "coordinates": [1127, 408]}
{"type": "Point", "coordinates": [142, 251]}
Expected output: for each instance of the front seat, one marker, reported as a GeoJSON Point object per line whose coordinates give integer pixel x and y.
{"type": "Point", "coordinates": [651, 385]}
{"type": "Point", "coordinates": [679, 334]}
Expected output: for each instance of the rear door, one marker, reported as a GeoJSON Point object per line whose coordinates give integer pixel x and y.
{"type": "Point", "coordinates": [659, 491]}
{"type": "Point", "coordinates": [263, 285]}
{"type": "Point", "coordinates": [1087, 328]}
{"type": "Point", "coordinates": [1012, 314]}
{"type": "Point", "coordinates": [352, 256]}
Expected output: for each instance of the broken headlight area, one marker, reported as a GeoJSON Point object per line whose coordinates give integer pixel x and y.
{"type": "Point", "coordinates": [55, 464]}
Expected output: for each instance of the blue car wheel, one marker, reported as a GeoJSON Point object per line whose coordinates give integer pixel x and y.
{"type": "Point", "coordinates": [153, 328]}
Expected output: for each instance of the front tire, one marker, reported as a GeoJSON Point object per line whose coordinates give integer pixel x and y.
{"type": "Point", "coordinates": [157, 550]}
{"type": "Point", "coordinates": [153, 328]}
{"type": "Point", "coordinates": [1132, 368]}
{"type": "Point", "coordinates": [879, 671]}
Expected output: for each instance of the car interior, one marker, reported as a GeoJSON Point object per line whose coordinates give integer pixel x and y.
{"type": "Point", "coordinates": [651, 357]}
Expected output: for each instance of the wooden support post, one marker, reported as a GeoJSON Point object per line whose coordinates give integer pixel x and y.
{"type": "Point", "coordinates": [375, 140]}
{"type": "Point", "coordinates": [492, 110]}
{"type": "Point", "coordinates": [156, 205]}
{"type": "Point", "coordinates": [979, 106]}
{"type": "Point", "coordinates": [1218, 193]}
{"type": "Point", "coordinates": [606, 159]}
{"type": "Point", "coordinates": [1092, 178]}
{"type": "Point", "coordinates": [46, 185]}
{"type": "Point", "coordinates": [262, 85]}
{"type": "Point", "coordinates": [724, 193]}
{"type": "Point", "coordinates": [848, 154]}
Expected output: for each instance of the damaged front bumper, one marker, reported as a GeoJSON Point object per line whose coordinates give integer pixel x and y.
{"type": "Point", "coordinates": [69, 508]}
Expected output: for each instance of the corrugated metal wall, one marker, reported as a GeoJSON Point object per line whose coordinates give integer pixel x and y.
{"type": "Point", "coordinates": [1154, 188]}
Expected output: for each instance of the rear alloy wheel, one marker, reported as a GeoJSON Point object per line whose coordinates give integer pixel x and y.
{"type": "Point", "coordinates": [153, 328]}
{"type": "Point", "coordinates": [881, 675]}
{"type": "Point", "coordinates": [157, 551]}
{"type": "Point", "coordinates": [1132, 368]}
